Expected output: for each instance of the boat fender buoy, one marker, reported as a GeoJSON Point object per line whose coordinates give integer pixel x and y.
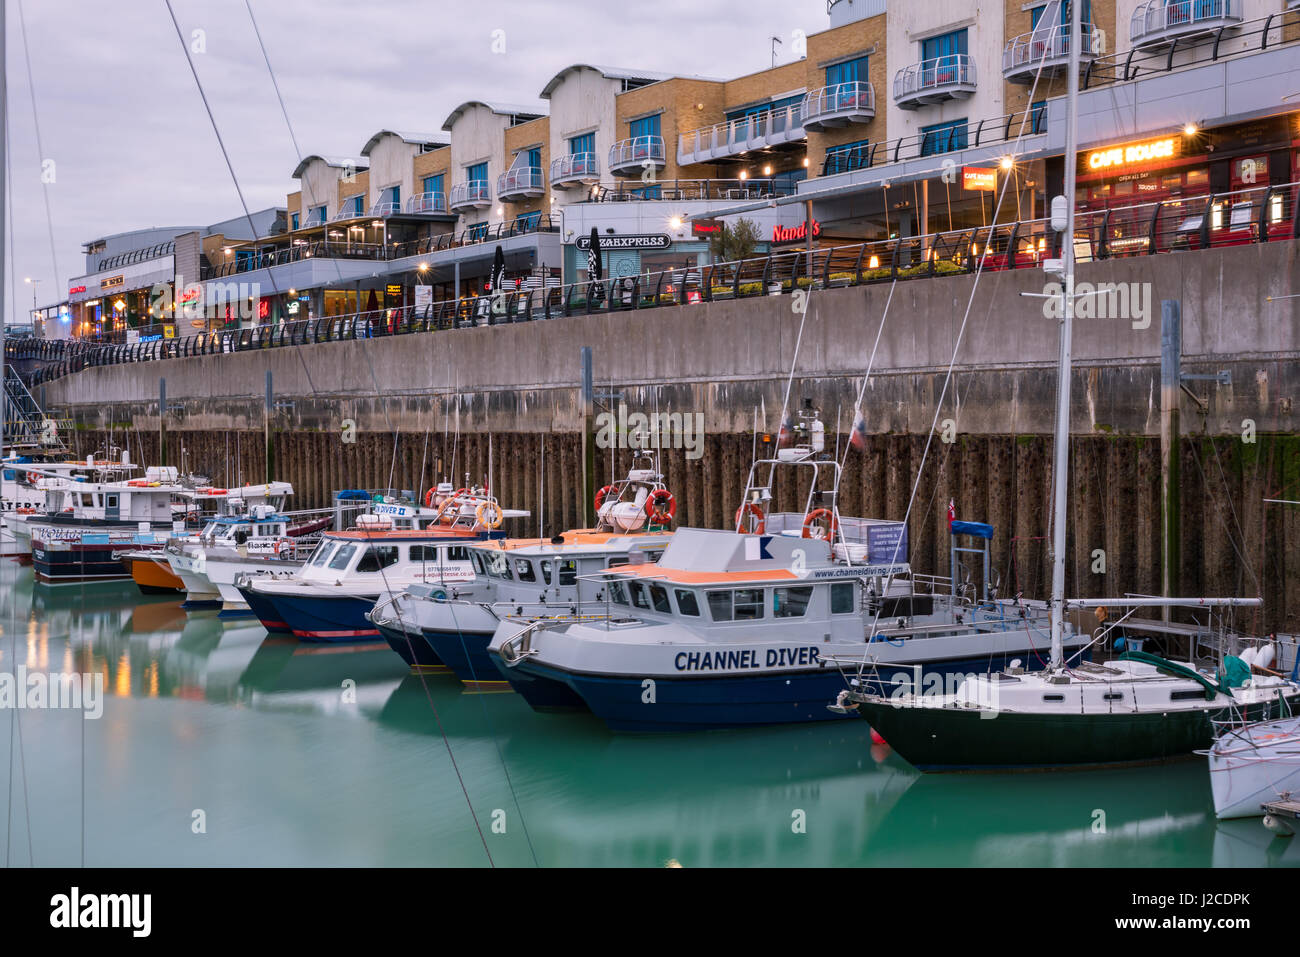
{"type": "Point", "coordinates": [660, 507]}
{"type": "Point", "coordinates": [877, 737]}
{"type": "Point", "coordinates": [750, 508]}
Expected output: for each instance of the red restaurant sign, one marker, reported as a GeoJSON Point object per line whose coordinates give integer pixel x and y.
{"type": "Point", "coordinates": [979, 178]}
{"type": "Point", "coordinates": [793, 234]}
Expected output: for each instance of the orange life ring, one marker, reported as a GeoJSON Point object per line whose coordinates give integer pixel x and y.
{"type": "Point", "coordinates": [749, 508]}
{"type": "Point", "coordinates": [817, 513]}
{"type": "Point", "coordinates": [488, 514]}
{"type": "Point", "coordinates": [287, 547]}
{"type": "Point", "coordinates": [603, 494]}
{"type": "Point", "coordinates": [654, 513]}
{"type": "Point", "coordinates": [34, 477]}
{"type": "Point", "coordinates": [138, 483]}
{"type": "Point", "coordinates": [428, 498]}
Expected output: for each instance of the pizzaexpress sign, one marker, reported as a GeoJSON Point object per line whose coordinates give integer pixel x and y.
{"type": "Point", "coordinates": [629, 241]}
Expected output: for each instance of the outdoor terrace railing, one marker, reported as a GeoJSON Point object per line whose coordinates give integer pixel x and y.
{"type": "Point", "coordinates": [520, 181]}
{"type": "Point", "coordinates": [690, 189]}
{"type": "Point", "coordinates": [576, 167]}
{"type": "Point", "coordinates": [1026, 53]}
{"type": "Point", "coordinates": [1259, 215]}
{"type": "Point", "coordinates": [137, 256]}
{"type": "Point", "coordinates": [953, 73]}
{"type": "Point", "coordinates": [476, 192]}
{"type": "Point", "coordinates": [1161, 20]}
{"type": "Point", "coordinates": [839, 104]}
{"type": "Point", "coordinates": [634, 153]}
{"type": "Point", "coordinates": [385, 209]}
{"type": "Point", "coordinates": [768, 128]}
{"type": "Point", "coordinates": [427, 203]}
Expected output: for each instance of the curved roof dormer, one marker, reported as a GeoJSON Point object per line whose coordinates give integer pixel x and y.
{"type": "Point", "coordinates": [425, 141]}
{"type": "Point", "coordinates": [631, 79]}
{"type": "Point", "coordinates": [357, 163]}
{"type": "Point", "coordinates": [517, 113]}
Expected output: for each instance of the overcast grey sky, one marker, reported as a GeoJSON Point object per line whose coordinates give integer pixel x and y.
{"type": "Point", "coordinates": [124, 135]}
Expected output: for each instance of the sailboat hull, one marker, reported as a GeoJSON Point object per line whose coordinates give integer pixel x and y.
{"type": "Point", "coordinates": [962, 739]}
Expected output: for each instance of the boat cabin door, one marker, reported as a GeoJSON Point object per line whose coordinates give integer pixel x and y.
{"type": "Point", "coordinates": [111, 506]}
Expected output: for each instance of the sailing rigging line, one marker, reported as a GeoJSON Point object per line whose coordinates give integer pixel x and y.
{"type": "Point", "coordinates": [40, 148]}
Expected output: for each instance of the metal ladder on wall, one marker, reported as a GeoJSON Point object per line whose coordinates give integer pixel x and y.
{"type": "Point", "coordinates": [25, 424]}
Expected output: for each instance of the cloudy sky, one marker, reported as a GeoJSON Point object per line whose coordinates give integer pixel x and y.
{"type": "Point", "coordinates": [126, 143]}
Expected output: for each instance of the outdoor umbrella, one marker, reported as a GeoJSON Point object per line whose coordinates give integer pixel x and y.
{"type": "Point", "coordinates": [595, 271]}
{"type": "Point", "coordinates": [498, 271]}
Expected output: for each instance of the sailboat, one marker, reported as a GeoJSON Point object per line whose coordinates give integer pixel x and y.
{"type": "Point", "coordinates": [1138, 708]}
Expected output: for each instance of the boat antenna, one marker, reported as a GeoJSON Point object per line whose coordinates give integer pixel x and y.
{"type": "Point", "coordinates": [1061, 442]}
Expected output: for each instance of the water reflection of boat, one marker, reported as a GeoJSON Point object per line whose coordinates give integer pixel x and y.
{"type": "Point", "coordinates": [1073, 820]}
{"type": "Point", "coordinates": [1245, 842]}
{"type": "Point", "coordinates": [154, 616]}
{"type": "Point", "coordinates": [331, 679]}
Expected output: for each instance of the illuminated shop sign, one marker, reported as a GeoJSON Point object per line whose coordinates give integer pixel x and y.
{"type": "Point", "coordinates": [792, 234]}
{"type": "Point", "coordinates": [1118, 157]}
{"type": "Point", "coordinates": [633, 241]}
{"type": "Point", "coordinates": [76, 289]}
{"type": "Point", "coordinates": [112, 281]}
{"type": "Point", "coordinates": [979, 178]}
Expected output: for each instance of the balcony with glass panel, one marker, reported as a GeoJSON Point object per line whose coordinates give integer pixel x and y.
{"type": "Point", "coordinates": [1159, 23]}
{"type": "Point", "coordinates": [427, 203]}
{"type": "Point", "coordinates": [636, 154]}
{"type": "Point", "coordinates": [947, 77]}
{"type": "Point", "coordinates": [474, 194]}
{"type": "Point", "coordinates": [1044, 53]}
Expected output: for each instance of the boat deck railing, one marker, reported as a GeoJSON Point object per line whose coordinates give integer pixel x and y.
{"type": "Point", "coordinates": [1257, 215]}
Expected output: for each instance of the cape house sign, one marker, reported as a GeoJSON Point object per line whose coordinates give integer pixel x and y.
{"type": "Point", "coordinates": [629, 241]}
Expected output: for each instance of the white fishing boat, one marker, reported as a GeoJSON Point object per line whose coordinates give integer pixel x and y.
{"type": "Point", "coordinates": [737, 628]}
{"type": "Point", "coordinates": [327, 600]}
{"type": "Point", "coordinates": [25, 488]}
{"type": "Point", "coordinates": [434, 627]}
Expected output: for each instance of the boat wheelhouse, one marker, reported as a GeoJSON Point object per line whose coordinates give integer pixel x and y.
{"type": "Point", "coordinates": [349, 571]}
{"type": "Point", "coordinates": [433, 627]}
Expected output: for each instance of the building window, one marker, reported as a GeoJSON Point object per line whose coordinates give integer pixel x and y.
{"type": "Point", "coordinates": [646, 126]}
{"type": "Point", "coordinates": [1038, 117]}
{"type": "Point", "coordinates": [527, 222]}
{"type": "Point", "coordinates": [433, 184]}
{"type": "Point", "coordinates": [295, 221]}
{"type": "Point", "coordinates": [476, 233]}
{"type": "Point", "coordinates": [535, 159]}
{"type": "Point", "coordinates": [393, 194]}
{"type": "Point", "coordinates": [352, 205]}
{"type": "Point", "coordinates": [945, 48]}
{"type": "Point", "coordinates": [849, 156]}
{"type": "Point", "coordinates": [850, 71]}
{"type": "Point", "coordinates": [316, 215]}
{"type": "Point", "coordinates": [477, 173]}
{"type": "Point", "coordinates": [943, 137]}
{"type": "Point", "coordinates": [586, 143]}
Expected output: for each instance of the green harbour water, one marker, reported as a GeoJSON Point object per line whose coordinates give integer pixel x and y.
{"type": "Point", "coordinates": [298, 754]}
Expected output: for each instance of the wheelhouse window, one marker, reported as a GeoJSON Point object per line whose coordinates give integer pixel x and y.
{"type": "Point", "coordinates": [791, 602]}
{"type": "Point", "coordinates": [524, 570]}
{"type": "Point", "coordinates": [322, 553]}
{"type": "Point", "coordinates": [842, 598]}
{"type": "Point", "coordinates": [424, 553]}
{"type": "Point", "coordinates": [456, 553]}
{"type": "Point", "coordinates": [720, 605]}
{"type": "Point", "coordinates": [343, 556]}
{"type": "Point", "coordinates": [639, 597]}
{"type": "Point", "coordinates": [742, 604]}
{"type": "Point", "coordinates": [568, 572]}
{"type": "Point", "coordinates": [377, 558]}
{"type": "Point", "coordinates": [546, 570]}
{"type": "Point", "coordinates": [659, 598]}
{"type": "Point", "coordinates": [687, 603]}
{"type": "Point", "coordinates": [617, 592]}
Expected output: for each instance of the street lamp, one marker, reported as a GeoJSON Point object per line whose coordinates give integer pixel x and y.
{"type": "Point", "coordinates": [34, 283]}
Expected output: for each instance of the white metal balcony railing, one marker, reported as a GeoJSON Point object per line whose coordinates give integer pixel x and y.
{"type": "Point", "coordinates": [575, 169]}
{"type": "Point", "coordinates": [385, 209]}
{"type": "Point", "coordinates": [427, 203]}
{"type": "Point", "coordinates": [1045, 50]}
{"type": "Point", "coordinates": [1157, 22]}
{"type": "Point", "coordinates": [313, 219]}
{"type": "Point", "coordinates": [348, 211]}
{"type": "Point", "coordinates": [760, 131]}
{"type": "Point", "coordinates": [476, 192]}
{"type": "Point", "coordinates": [633, 154]}
{"type": "Point", "coordinates": [521, 181]}
{"type": "Point", "coordinates": [935, 80]}
{"type": "Point", "coordinates": [839, 105]}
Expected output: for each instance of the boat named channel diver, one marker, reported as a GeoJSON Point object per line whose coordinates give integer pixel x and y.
{"type": "Point", "coordinates": [732, 629]}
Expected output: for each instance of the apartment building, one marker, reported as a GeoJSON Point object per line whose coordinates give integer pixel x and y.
{"type": "Point", "coordinates": [897, 120]}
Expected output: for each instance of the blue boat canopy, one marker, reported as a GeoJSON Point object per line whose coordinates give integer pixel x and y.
{"type": "Point", "coordinates": [978, 529]}
{"type": "Point", "coordinates": [353, 495]}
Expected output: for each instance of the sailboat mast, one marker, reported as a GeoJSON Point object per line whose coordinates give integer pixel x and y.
{"type": "Point", "coordinates": [1061, 445]}
{"type": "Point", "coordinates": [4, 212]}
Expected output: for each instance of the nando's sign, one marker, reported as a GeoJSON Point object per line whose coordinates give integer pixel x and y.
{"type": "Point", "coordinates": [794, 234]}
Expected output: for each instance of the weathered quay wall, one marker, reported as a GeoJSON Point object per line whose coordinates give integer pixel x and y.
{"type": "Point", "coordinates": [435, 397]}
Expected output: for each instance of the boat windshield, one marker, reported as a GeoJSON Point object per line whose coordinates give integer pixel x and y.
{"type": "Point", "coordinates": [343, 556]}
{"type": "Point", "coordinates": [323, 551]}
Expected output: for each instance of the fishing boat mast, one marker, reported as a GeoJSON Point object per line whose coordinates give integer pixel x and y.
{"type": "Point", "coordinates": [1061, 444]}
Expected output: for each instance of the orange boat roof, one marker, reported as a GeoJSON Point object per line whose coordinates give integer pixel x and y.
{"type": "Point", "coordinates": [574, 536]}
{"type": "Point", "coordinates": [683, 577]}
